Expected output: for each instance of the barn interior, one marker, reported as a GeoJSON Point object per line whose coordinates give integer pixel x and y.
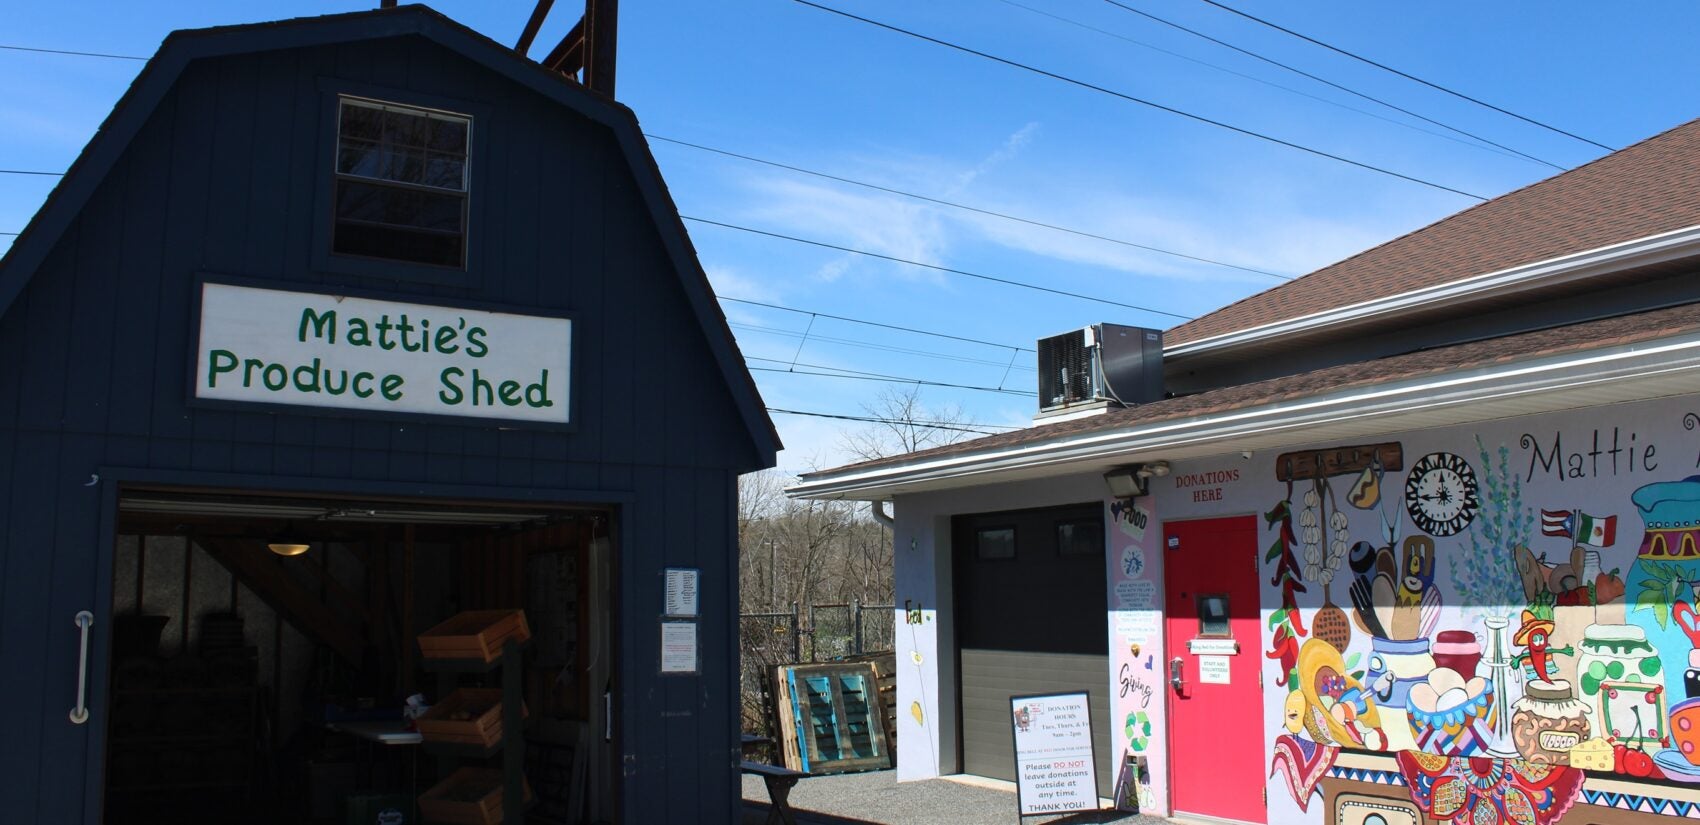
{"type": "Point", "coordinates": [265, 646]}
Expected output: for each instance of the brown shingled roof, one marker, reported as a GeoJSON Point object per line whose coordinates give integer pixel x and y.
{"type": "Point", "coordinates": [1645, 189]}
{"type": "Point", "coordinates": [1625, 329]}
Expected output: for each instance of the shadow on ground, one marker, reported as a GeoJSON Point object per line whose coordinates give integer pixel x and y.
{"type": "Point", "coordinates": [876, 798]}
{"type": "Point", "coordinates": [756, 813]}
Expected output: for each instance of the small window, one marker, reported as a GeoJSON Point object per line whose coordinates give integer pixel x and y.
{"type": "Point", "coordinates": [401, 183]}
{"type": "Point", "coordinates": [1080, 538]}
{"type": "Point", "coordinates": [1213, 616]}
{"type": "Point", "coordinates": [995, 543]}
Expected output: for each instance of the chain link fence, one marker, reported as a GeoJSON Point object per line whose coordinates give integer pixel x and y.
{"type": "Point", "coordinates": [819, 633]}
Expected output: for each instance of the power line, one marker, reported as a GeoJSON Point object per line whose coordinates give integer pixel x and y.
{"type": "Point", "coordinates": [1255, 79]}
{"type": "Point", "coordinates": [965, 272]}
{"type": "Point", "coordinates": [75, 54]}
{"type": "Point", "coordinates": [1143, 102]}
{"type": "Point", "coordinates": [1330, 83]}
{"type": "Point", "coordinates": [889, 379]}
{"type": "Point", "coordinates": [874, 323]}
{"type": "Point", "coordinates": [29, 172]}
{"type": "Point", "coordinates": [8, 233]}
{"type": "Point", "coordinates": [809, 336]}
{"type": "Point", "coordinates": [962, 206]}
{"type": "Point", "coordinates": [937, 425]}
{"type": "Point", "coordinates": [1388, 68]}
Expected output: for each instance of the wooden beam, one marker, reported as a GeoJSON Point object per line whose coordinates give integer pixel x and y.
{"type": "Point", "coordinates": [1314, 464]}
{"type": "Point", "coordinates": [531, 26]}
{"type": "Point", "coordinates": [409, 649]}
{"type": "Point", "coordinates": [601, 37]}
{"type": "Point", "coordinates": [263, 574]}
{"type": "Point", "coordinates": [568, 56]}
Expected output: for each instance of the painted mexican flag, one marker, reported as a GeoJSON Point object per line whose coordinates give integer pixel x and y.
{"type": "Point", "coordinates": [1595, 531]}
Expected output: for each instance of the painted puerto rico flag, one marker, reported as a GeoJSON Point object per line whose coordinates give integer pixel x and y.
{"type": "Point", "coordinates": [1557, 522]}
{"type": "Point", "coordinates": [1593, 531]}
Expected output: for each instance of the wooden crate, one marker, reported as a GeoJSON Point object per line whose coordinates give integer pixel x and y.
{"type": "Point", "coordinates": [784, 727]}
{"type": "Point", "coordinates": [474, 634]}
{"type": "Point", "coordinates": [469, 796]}
{"type": "Point", "coordinates": [468, 716]}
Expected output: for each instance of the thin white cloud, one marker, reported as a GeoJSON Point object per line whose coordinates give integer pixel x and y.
{"type": "Point", "coordinates": [1011, 147]}
{"type": "Point", "coordinates": [729, 281]}
{"type": "Point", "coordinates": [883, 224]}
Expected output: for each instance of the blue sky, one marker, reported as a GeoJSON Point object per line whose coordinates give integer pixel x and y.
{"type": "Point", "coordinates": [779, 80]}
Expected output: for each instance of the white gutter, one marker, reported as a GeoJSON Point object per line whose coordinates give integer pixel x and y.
{"type": "Point", "coordinates": [1654, 249]}
{"type": "Point", "coordinates": [1660, 359]}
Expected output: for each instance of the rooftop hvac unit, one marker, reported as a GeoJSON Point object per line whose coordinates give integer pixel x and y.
{"type": "Point", "coordinates": [1103, 362]}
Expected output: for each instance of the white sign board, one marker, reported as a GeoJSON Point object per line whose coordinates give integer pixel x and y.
{"type": "Point", "coordinates": [681, 595]}
{"type": "Point", "coordinates": [1213, 670]}
{"type": "Point", "coordinates": [678, 647]}
{"type": "Point", "coordinates": [1054, 766]}
{"type": "Point", "coordinates": [268, 346]}
{"type": "Point", "coordinates": [1213, 647]}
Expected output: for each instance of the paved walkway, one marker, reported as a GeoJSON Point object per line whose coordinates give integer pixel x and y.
{"type": "Point", "coordinates": [877, 797]}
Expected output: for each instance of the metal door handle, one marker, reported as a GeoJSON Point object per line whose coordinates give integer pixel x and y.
{"type": "Point", "coordinates": [1176, 681]}
{"type": "Point", "coordinates": [80, 713]}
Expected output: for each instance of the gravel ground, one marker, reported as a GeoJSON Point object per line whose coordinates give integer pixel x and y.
{"type": "Point", "coordinates": [876, 797]}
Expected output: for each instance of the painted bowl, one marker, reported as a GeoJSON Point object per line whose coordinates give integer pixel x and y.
{"type": "Point", "coordinates": [1675, 767]}
{"type": "Point", "coordinates": [1685, 729]}
{"type": "Point", "coordinates": [1457, 721]}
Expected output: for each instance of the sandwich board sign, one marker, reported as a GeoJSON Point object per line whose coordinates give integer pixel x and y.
{"type": "Point", "coordinates": [1055, 768]}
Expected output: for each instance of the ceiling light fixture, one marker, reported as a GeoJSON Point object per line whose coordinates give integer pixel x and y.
{"type": "Point", "coordinates": [288, 541]}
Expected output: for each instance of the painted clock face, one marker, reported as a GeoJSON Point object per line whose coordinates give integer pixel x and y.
{"type": "Point", "coordinates": [1441, 495]}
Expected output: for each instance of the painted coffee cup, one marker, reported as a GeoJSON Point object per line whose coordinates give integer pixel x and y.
{"type": "Point", "coordinates": [1685, 729]}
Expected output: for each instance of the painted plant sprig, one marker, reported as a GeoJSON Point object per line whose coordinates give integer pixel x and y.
{"type": "Point", "coordinates": [1486, 577]}
{"type": "Point", "coordinates": [1660, 590]}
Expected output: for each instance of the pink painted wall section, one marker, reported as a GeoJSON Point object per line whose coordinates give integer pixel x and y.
{"type": "Point", "coordinates": [1137, 688]}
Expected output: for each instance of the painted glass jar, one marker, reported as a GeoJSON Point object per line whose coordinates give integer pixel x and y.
{"type": "Point", "coordinates": [1610, 659]}
{"type": "Point", "coordinates": [1459, 651]}
{"type": "Point", "coordinates": [1394, 666]}
{"type": "Point", "coordinates": [1547, 722]}
{"type": "Point", "coordinates": [1667, 563]}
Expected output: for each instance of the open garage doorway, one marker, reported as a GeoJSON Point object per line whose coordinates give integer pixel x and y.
{"type": "Point", "coordinates": [264, 649]}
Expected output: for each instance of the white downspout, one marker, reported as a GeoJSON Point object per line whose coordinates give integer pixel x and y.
{"type": "Point", "coordinates": [886, 521]}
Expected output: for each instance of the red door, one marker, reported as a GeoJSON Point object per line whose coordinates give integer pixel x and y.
{"type": "Point", "coordinates": [1216, 750]}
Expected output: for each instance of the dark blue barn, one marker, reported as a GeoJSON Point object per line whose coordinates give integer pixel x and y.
{"type": "Point", "coordinates": [174, 394]}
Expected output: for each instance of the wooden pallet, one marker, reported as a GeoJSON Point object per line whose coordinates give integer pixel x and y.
{"type": "Point", "coordinates": [860, 717]}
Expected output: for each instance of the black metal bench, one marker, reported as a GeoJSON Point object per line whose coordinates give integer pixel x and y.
{"type": "Point", "coordinates": [779, 781]}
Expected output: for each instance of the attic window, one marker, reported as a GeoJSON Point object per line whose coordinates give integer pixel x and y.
{"type": "Point", "coordinates": [401, 177]}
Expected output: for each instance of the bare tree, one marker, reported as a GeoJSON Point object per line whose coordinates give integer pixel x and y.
{"type": "Point", "coordinates": [907, 425]}
{"type": "Point", "coordinates": [823, 552]}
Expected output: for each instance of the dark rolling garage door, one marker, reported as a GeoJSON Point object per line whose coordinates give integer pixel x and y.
{"type": "Point", "coordinates": [1030, 619]}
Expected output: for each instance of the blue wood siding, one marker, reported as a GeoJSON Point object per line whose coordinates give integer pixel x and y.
{"type": "Point", "coordinates": [223, 180]}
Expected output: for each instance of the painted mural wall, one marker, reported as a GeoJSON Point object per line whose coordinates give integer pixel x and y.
{"type": "Point", "coordinates": [1475, 625]}
{"type": "Point", "coordinates": [1137, 697]}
